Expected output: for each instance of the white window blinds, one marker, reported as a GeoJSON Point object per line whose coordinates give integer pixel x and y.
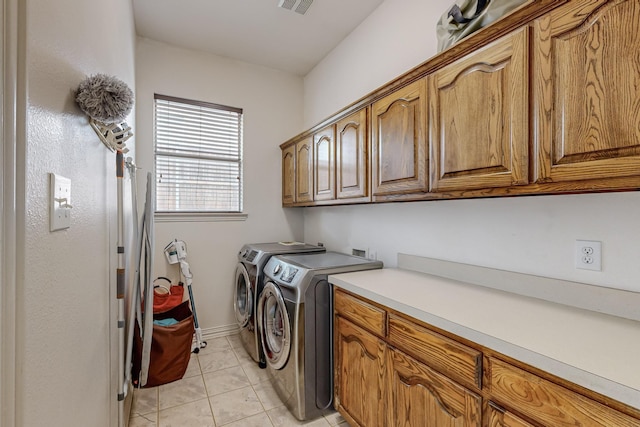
{"type": "Point", "coordinates": [198, 150]}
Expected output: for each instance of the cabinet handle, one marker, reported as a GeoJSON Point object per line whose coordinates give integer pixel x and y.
{"type": "Point", "coordinates": [479, 370]}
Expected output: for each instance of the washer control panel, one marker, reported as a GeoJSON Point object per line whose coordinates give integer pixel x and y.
{"type": "Point", "coordinates": [288, 274]}
{"type": "Point", "coordinates": [283, 272]}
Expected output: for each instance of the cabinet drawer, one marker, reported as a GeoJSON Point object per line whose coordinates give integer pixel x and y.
{"type": "Point", "coordinates": [549, 403]}
{"type": "Point", "coordinates": [443, 354]}
{"type": "Point", "coordinates": [369, 317]}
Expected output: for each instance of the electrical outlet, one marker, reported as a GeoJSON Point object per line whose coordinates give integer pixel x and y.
{"type": "Point", "coordinates": [589, 255]}
{"type": "Point", "coordinates": [359, 252]}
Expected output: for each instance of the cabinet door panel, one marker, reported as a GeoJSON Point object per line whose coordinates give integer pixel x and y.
{"type": "Point", "coordinates": [289, 175]}
{"type": "Point", "coordinates": [479, 110]}
{"type": "Point", "coordinates": [398, 141]}
{"type": "Point", "coordinates": [423, 397]}
{"type": "Point", "coordinates": [304, 171]}
{"type": "Point", "coordinates": [587, 76]}
{"type": "Point", "coordinates": [549, 403]}
{"type": "Point", "coordinates": [365, 315]}
{"type": "Point", "coordinates": [360, 366]}
{"type": "Point", "coordinates": [460, 362]}
{"type": "Point", "coordinates": [352, 164]}
{"type": "Point", "coordinates": [324, 164]}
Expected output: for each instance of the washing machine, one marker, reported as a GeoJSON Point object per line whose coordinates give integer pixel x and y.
{"type": "Point", "coordinates": [248, 284]}
{"type": "Point", "coordinates": [295, 324]}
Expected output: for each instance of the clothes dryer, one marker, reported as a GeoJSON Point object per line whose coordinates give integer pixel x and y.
{"type": "Point", "coordinates": [295, 324]}
{"type": "Point", "coordinates": [249, 282]}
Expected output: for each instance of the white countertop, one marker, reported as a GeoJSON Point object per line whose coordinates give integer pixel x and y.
{"type": "Point", "coordinates": [598, 351]}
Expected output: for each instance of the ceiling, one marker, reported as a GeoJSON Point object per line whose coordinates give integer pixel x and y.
{"type": "Point", "coordinates": [254, 31]}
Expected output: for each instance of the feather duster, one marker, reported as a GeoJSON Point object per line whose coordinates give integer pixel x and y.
{"type": "Point", "coordinates": [105, 98]}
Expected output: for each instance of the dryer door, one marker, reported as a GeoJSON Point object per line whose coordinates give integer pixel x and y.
{"type": "Point", "coordinates": [243, 296]}
{"type": "Point", "coordinates": [274, 326]}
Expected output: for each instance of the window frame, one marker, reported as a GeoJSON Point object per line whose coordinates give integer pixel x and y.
{"type": "Point", "coordinates": [196, 215]}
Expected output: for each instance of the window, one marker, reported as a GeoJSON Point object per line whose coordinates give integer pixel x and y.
{"type": "Point", "coordinates": [198, 150]}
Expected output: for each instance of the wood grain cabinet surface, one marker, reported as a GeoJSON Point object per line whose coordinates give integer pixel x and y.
{"type": "Point", "coordinates": [360, 387]}
{"type": "Point", "coordinates": [398, 141]}
{"type": "Point", "coordinates": [500, 417]}
{"type": "Point", "coordinates": [479, 116]}
{"type": "Point", "coordinates": [587, 92]}
{"type": "Point", "coordinates": [462, 362]}
{"type": "Point", "coordinates": [421, 396]}
{"type": "Point", "coordinates": [304, 170]}
{"type": "Point", "coordinates": [324, 164]}
{"type": "Point", "coordinates": [410, 374]}
{"type": "Point", "coordinates": [543, 101]}
{"type": "Point", "coordinates": [352, 157]}
{"type": "Point", "coordinates": [289, 175]}
{"type": "Point", "coordinates": [548, 403]}
{"type": "Point", "coordinates": [367, 316]}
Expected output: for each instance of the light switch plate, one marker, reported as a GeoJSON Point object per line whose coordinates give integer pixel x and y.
{"type": "Point", "coordinates": [60, 202]}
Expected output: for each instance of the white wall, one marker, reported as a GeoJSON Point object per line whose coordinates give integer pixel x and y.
{"type": "Point", "coordinates": [272, 104]}
{"type": "Point", "coordinates": [65, 324]}
{"type": "Point", "coordinates": [397, 36]}
{"type": "Point", "coordinates": [534, 235]}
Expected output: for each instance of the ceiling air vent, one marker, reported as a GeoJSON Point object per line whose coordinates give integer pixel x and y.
{"type": "Point", "coordinates": [299, 6]}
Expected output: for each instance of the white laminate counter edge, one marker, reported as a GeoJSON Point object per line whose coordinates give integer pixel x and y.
{"type": "Point", "coordinates": [616, 302]}
{"type": "Point", "coordinates": [599, 384]}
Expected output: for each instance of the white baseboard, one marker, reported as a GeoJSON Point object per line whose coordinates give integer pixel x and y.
{"type": "Point", "coordinates": [219, 331]}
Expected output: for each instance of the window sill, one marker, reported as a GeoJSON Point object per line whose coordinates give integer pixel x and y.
{"type": "Point", "coordinates": [198, 217]}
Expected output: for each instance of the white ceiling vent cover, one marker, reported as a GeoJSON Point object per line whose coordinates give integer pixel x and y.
{"type": "Point", "coordinates": [299, 6]}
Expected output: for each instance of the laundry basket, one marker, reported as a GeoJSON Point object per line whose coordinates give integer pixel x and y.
{"type": "Point", "coordinates": [170, 347]}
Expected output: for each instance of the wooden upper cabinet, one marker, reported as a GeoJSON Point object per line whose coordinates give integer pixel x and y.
{"type": "Point", "coordinates": [352, 159]}
{"type": "Point", "coordinates": [324, 184]}
{"type": "Point", "coordinates": [304, 170]}
{"type": "Point", "coordinates": [289, 175]}
{"type": "Point", "coordinates": [586, 86]}
{"type": "Point", "coordinates": [479, 116]}
{"type": "Point", "coordinates": [399, 153]}
{"type": "Point", "coordinates": [421, 396]}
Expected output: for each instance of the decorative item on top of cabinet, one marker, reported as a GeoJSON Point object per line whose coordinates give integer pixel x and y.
{"type": "Point", "coordinates": [479, 115]}
{"type": "Point", "coordinates": [289, 175]}
{"type": "Point", "coordinates": [352, 157]}
{"type": "Point", "coordinates": [586, 92]}
{"type": "Point", "coordinates": [324, 187]}
{"type": "Point", "coordinates": [304, 171]}
{"type": "Point", "coordinates": [399, 152]}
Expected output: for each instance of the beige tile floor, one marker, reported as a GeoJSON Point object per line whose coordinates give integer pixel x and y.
{"type": "Point", "coordinates": [222, 387]}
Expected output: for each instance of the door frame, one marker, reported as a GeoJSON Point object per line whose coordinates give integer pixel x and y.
{"type": "Point", "coordinates": [12, 158]}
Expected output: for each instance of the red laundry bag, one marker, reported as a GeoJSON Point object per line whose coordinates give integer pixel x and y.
{"type": "Point", "coordinates": [166, 296]}
{"type": "Point", "coordinates": [170, 347]}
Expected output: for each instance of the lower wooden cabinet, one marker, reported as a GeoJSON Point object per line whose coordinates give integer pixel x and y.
{"type": "Point", "coordinates": [395, 371]}
{"type": "Point", "coordinates": [360, 375]}
{"type": "Point", "coordinates": [548, 403]}
{"type": "Point", "coordinates": [420, 396]}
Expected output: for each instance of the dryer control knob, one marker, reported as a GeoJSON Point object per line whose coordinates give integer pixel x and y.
{"type": "Point", "coordinates": [277, 269]}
